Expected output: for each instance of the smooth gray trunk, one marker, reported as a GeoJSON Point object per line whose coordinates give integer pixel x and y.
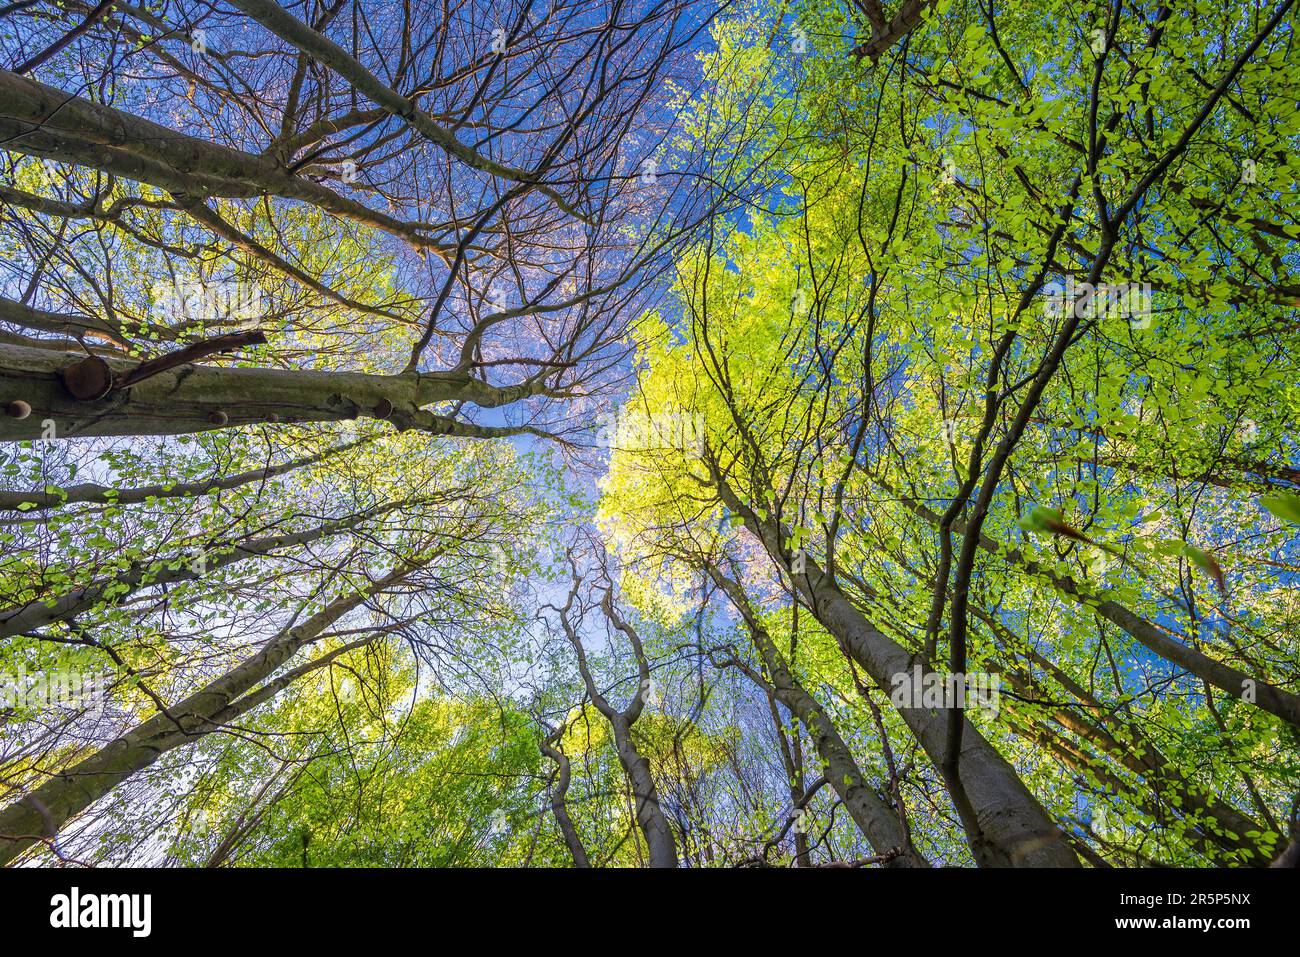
{"type": "Point", "coordinates": [44, 811]}
{"type": "Point", "coordinates": [1013, 828]}
{"type": "Point", "coordinates": [197, 398]}
{"type": "Point", "coordinates": [879, 824]}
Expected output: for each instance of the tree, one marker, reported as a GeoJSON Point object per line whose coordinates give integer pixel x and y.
{"type": "Point", "coordinates": [607, 435]}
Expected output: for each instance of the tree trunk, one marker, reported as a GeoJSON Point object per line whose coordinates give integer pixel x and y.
{"type": "Point", "coordinates": [43, 812]}
{"type": "Point", "coordinates": [880, 825]}
{"type": "Point", "coordinates": [560, 807]}
{"type": "Point", "coordinates": [650, 818]}
{"type": "Point", "coordinates": [1013, 828]}
{"type": "Point", "coordinates": [41, 120]}
{"type": "Point", "coordinates": [197, 398]}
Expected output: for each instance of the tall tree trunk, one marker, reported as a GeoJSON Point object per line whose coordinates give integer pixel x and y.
{"type": "Point", "coordinates": [197, 398]}
{"type": "Point", "coordinates": [559, 804]}
{"type": "Point", "coordinates": [43, 812]}
{"type": "Point", "coordinates": [660, 844]}
{"type": "Point", "coordinates": [880, 825]}
{"type": "Point", "coordinates": [41, 120]}
{"type": "Point", "coordinates": [1011, 829]}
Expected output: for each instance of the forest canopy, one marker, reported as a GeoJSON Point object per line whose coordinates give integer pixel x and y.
{"type": "Point", "coordinates": [613, 433]}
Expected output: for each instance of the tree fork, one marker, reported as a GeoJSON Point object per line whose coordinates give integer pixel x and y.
{"type": "Point", "coordinates": [1014, 830]}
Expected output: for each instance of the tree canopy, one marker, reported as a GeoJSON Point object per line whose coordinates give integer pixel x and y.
{"type": "Point", "coordinates": [598, 433]}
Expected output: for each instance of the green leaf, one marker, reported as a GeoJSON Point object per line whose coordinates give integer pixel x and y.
{"type": "Point", "coordinates": [1284, 505]}
{"type": "Point", "coordinates": [1040, 519]}
{"type": "Point", "coordinates": [1207, 563]}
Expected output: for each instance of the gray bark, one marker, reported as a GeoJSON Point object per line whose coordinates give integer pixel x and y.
{"type": "Point", "coordinates": [186, 399]}
{"type": "Point", "coordinates": [650, 818]}
{"type": "Point", "coordinates": [41, 120]}
{"type": "Point", "coordinates": [880, 825]}
{"type": "Point", "coordinates": [660, 845]}
{"type": "Point", "coordinates": [1013, 828]}
{"type": "Point", "coordinates": [41, 813]}
{"type": "Point", "coordinates": [559, 804]}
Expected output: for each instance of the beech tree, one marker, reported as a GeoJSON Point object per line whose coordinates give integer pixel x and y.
{"type": "Point", "coordinates": [477, 241]}
{"type": "Point", "coordinates": [603, 434]}
{"type": "Point", "coordinates": [923, 378]}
